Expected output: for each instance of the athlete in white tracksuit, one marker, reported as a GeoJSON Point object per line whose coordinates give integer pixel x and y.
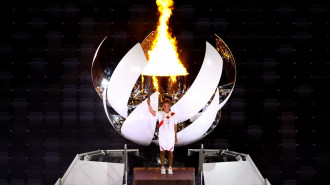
{"type": "Point", "coordinates": [167, 133]}
{"type": "Point", "coordinates": [166, 136]}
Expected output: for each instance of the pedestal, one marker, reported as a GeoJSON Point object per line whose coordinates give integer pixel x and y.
{"type": "Point", "coordinates": [152, 176]}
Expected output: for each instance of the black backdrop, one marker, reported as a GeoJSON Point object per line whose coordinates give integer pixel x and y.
{"type": "Point", "coordinates": [278, 113]}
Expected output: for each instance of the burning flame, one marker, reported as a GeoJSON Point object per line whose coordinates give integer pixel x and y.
{"type": "Point", "coordinates": [163, 56]}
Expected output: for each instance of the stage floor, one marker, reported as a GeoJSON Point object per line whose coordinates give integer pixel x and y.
{"type": "Point", "coordinates": [151, 175]}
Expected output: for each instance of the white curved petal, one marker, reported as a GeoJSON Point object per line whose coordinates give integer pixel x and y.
{"type": "Point", "coordinates": [203, 87]}
{"type": "Point", "coordinates": [127, 72]}
{"type": "Point", "coordinates": [199, 127]}
{"type": "Point", "coordinates": [140, 124]}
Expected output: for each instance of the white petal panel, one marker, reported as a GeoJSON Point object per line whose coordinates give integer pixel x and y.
{"type": "Point", "coordinates": [124, 77]}
{"type": "Point", "coordinates": [199, 127]}
{"type": "Point", "coordinates": [140, 124]}
{"type": "Point", "coordinates": [202, 88]}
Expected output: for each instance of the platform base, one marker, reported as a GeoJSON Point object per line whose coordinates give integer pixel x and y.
{"type": "Point", "coordinates": [151, 176]}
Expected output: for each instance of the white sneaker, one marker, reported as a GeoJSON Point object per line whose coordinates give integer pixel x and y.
{"type": "Point", "coordinates": [162, 171]}
{"type": "Point", "coordinates": [170, 171]}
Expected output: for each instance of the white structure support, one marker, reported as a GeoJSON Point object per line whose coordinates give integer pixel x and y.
{"type": "Point", "coordinates": [84, 171]}
{"type": "Point", "coordinates": [241, 171]}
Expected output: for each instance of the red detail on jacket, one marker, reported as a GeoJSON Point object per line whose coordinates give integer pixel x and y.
{"type": "Point", "coordinates": [160, 124]}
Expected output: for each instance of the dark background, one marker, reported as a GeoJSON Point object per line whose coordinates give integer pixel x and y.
{"type": "Point", "coordinates": [278, 113]}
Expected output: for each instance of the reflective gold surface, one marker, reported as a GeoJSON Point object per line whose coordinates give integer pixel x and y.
{"type": "Point", "coordinates": [98, 72]}
{"type": "Point", "coordinates": [228, 59]}
{"type": "Point", "coordinates": [147, 43]}
{"type": "Point", "coordinates": [228, 79]}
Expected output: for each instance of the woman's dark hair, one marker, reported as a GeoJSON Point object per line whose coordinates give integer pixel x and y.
{"type": "Point", "coordinates": [167, 101]}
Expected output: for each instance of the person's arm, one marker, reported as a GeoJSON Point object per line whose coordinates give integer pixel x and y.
{"type": "Point", "coordinates": [150, 108]}
{"type": "Point", "coordinates": [175, 130]}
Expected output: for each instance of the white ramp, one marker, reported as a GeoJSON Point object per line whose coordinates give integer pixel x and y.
{"type": "Point", "coordinates": [234, 172]}
{"type": "Point", "coordinates": [95, 173]}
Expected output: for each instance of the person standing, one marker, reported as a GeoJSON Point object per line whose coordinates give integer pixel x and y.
{"type": "Point", "coordinates": [167, 133]}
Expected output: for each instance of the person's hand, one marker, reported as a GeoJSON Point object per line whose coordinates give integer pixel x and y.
{"type": "Point", "coordinates": [176, 140]}
{"type": "Point", "coordinates": [148, 101]}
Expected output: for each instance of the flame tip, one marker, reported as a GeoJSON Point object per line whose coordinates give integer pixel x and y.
{"type": "Point", "coordinates": [163, 57]}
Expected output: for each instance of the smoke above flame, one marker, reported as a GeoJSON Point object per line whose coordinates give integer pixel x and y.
{"type": "Point", "coordinates": [163, 56]}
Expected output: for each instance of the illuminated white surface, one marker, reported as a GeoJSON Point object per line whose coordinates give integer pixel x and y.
{"type": "Point", "coordinates": [124, 78]}
{"type": "Point", "coordinates": [202, 88]}
{"type": "Point", "coordinates": [92, 172]}
{"type": "Point", "coordinates": [140, 125]}
{"type": "Point", "coordinates": [234, 172]}
{"type": "Point", "coordinates": [199, 127]}
{"type": "Point", "coordinates": [230, 173]}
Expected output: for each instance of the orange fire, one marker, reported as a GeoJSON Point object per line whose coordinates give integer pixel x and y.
{"type": "Point", "coordinates": [163, 56]}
